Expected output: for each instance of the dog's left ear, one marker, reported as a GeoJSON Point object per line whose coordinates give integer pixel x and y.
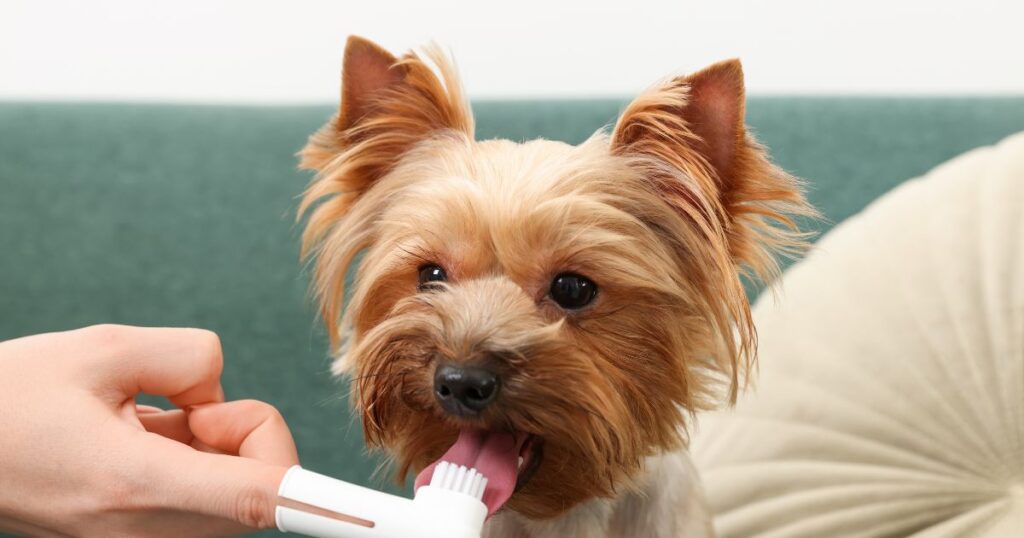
{"type": "Point", "coordinates": [694, 125]}
{"type": "Point", "coordinates": [688, 139]}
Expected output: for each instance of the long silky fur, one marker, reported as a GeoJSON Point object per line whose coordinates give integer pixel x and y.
{"type": "Point", "coordinates": [648, 212]}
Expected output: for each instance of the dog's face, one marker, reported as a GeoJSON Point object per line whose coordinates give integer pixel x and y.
{"type": "Point", "coordinates": [577, 301]}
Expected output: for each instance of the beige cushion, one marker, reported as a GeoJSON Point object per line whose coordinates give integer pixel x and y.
{"type": "Point", "coordinates": [890, 399]}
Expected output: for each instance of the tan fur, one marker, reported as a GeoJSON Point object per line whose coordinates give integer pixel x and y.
{"type": "Point", "coordinates": [666, 214]}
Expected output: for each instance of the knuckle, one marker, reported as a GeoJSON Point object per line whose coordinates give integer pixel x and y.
{"type": "Point", "coordinates": [210, 352]}
{"type": "Point", "coordinates": [273, 414]}
{"type": "Point", "coordinates": [251, 406]}
{"type": "Point", "coordinates": [106, 334]}
{"type": "Point", "coordinates": [275, 417]}
{"type": "Point", "coordinates": [105, 340]}
{"type": "Point", "coordinates": [254, 508]}
{"type": "Point", "coordinates": [268, 412]}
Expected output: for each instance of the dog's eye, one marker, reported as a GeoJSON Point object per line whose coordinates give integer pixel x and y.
{"type": "Point", "coordinates": [573, 291]}
{"type": "Point", "coordinates": [431, 273]}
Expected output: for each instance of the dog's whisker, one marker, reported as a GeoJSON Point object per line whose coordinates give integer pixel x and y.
{"type": "Point", "coordinates": [364, 377]}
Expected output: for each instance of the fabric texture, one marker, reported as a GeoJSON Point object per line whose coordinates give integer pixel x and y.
{"type": "Point", "coordinates": [890, 398]}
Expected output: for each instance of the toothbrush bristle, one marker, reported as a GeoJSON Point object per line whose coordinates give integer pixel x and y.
{"type": "Point", "coordinates": [460, 479]}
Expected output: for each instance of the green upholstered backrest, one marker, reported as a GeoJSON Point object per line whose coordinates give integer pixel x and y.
{"type": "Point", "coordinates": [185, 216]}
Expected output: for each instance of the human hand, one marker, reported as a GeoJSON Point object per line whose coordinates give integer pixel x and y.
{"type": "Point", "coordinates": [78, 457]}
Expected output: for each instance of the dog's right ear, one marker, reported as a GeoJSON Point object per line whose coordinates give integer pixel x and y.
{"type": "Point", "coordinates": [388, 104]}
{"type": "Point", "coordinates": [367, 71]}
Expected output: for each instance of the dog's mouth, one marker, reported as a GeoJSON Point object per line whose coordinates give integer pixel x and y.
{"type": "Point", "coordinates": [507, 459]}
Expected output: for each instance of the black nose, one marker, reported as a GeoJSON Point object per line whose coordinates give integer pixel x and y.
{"type": "Point", "coordinates": [465, 390]}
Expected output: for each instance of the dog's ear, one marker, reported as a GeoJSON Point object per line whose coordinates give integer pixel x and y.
{"type": "Point", "coordinates": [689, 139]}
{"type": "Point", "coordinates": [701, 113]}
{"type": "Point", "coordinates": [694, 125]}
{"type": "Point", "coordinates": [388, 104]}
{"type": "Point", "coordinates": [367, 71]}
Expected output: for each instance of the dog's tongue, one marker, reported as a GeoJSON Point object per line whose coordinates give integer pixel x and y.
{"type": "Point", "coordinates": [493, 454]}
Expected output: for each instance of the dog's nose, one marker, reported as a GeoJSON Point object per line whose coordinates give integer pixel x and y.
{"type": "Point", "coordinates": [465, 390]}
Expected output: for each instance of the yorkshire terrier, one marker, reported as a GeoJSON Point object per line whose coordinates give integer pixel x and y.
{"type": "Point", "coordinates": [552, 315]}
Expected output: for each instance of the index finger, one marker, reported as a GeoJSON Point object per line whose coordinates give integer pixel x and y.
{"type": "Point", "coordinates": [182, 364]}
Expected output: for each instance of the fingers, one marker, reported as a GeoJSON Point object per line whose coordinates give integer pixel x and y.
{"type": "Point", "coordinates": [249, 428]}
{"type": "Point", "coordinates": [182, 364]}
{"type": "Point", "coordinates": [239, 489]}
{"type": "Point", "coordinates": [185, 365]}
{"type": "Point", "coordinates": [242, 489]}
{"type": "Point", "coordinates": [171, 424]}
{"type": "Point", "coordinates": [226, 486]}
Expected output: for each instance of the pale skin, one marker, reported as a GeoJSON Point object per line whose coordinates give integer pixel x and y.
{"type": "Point", "coordinates": [78, 457]}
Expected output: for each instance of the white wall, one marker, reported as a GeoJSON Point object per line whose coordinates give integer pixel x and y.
{"type": "Point", "coordinates": [263, 51]}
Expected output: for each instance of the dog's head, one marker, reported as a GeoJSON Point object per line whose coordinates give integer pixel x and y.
{"type": "Point", "coordinates": [570, 305]}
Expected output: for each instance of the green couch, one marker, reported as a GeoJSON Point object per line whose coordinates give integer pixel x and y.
{"type": "Point", "coordinates": [185, 216]}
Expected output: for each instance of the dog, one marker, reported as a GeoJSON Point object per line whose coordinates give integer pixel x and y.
{"type": "Point", "coordinates": [553, 315]}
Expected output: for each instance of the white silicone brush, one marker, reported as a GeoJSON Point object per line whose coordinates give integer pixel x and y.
{"type": "Point", "coordinates": [449, 507]}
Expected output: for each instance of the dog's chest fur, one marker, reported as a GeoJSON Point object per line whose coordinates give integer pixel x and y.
{"type": "Point", "coordinates": [670, 504]}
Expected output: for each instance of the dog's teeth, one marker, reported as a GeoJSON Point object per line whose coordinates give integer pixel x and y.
{"type": "Point", "coordinates": [520, 465]}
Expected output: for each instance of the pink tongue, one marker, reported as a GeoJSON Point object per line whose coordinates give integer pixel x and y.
{"type": "Point", "coordinates": [494, 454]}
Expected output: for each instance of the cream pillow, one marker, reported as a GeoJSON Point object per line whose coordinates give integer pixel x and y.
{"type": "Point", "coordinates": [890, 398]}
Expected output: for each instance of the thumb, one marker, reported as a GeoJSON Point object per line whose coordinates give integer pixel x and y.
{"type": "Point", "coordinates": [241, 488]}
{"type": "Point", "coordinates": [230, 487]}
{"type": "Point", "coordinates": [248, 428]}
